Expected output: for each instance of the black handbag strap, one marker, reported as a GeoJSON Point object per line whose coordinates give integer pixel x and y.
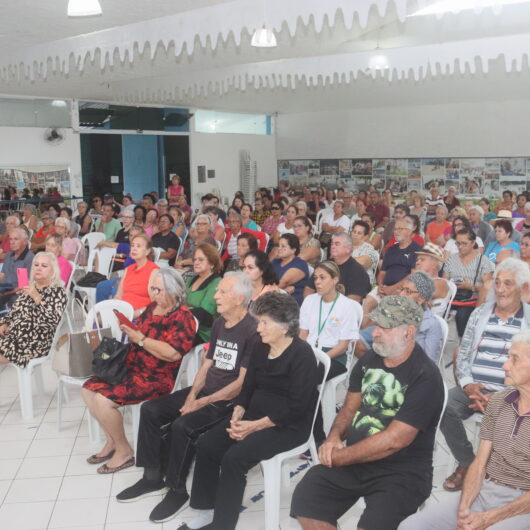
{"type": "Point", "coordinates": [478, 267]}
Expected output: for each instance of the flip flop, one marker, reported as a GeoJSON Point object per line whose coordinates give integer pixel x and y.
{"type": "Point", "coordinates": [95, 459]}
{"type": "Point", "coordinates": [107, 470]}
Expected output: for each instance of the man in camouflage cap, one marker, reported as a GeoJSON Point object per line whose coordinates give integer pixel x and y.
{"type": "Point", "coordinates": [388, 422]}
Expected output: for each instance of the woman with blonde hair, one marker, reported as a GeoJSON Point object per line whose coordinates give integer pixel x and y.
{"type": "Point", "coordinates": [27, 330]}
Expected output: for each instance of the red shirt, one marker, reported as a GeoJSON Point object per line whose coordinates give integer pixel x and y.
{"type": "Point", "coordinates": [379, 211]}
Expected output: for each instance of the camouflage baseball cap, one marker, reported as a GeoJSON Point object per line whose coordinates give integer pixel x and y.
{"type": "Point", "coordinates": [394, 311]}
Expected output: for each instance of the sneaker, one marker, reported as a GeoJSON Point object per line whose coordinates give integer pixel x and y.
{"type": "Point", "coordinates": [169, 506]}
{"type": "Point", "coordinates": [143, 488]}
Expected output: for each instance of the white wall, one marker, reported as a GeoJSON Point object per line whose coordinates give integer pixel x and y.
{"type": "Point", "coordinates": [221, 152]}
{"type": "Point", "coordinates": [458, 130]}
{"type": "Point", "coordinates": [25, 146]}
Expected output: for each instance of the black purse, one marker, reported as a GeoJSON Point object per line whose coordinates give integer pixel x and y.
{"type": "Point", "coordinates": [109, 361]}
{"type": "Point", "coordinates": [466, 296]}
{"type": "Point", "coordinates": [91, 279]}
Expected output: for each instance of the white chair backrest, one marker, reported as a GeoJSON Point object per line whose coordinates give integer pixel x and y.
{"type": "Point", "coordinates": [107, 318]}
{"type": "Point", "coordinates": [445, 334]}
{"type": "Point", "coordinates": [156, 253]}
{"type": "Point", "coordinates": [77, 230]}
{"type": "Point", "coordinates": [320, 217]}
{"type": "Point", "coordinates": [105, 260]}
{"type": "Point", "coordinates": [359, 313]}
{"type": "Point", "coordinates": [326, 361]}
{"type": "Point", "coordinates": [452, 290]}
{"type": "Point", "coordinates": [446, 397]}
{"type": "Point", "coordinates": [92, 240]}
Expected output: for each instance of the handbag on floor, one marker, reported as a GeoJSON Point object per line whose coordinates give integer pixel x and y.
{"type": "Point", "coordinates": [109, 361]}
{"type": "Point", "coordinates": [75, 352]}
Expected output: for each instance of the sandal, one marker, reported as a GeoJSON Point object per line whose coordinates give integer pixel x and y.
{"type": "Point", "coordinates": [455, 481]}
{"type": "Point", "coordinates": [106, 470]}
{"type": "Point", "coordinates": [95, 459]}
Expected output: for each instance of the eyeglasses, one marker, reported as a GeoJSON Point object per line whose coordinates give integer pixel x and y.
{"type": "Point", "coordinates": [275, 208]}
{"type": "Point", "coordinates": [155, 290]}
{"type": "Point", "coordinates": [406, 290]}
{"type": "Point", "coordinates": [462, 243]}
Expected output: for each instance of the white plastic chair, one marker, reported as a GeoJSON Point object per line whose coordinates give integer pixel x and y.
{"type": "Point", "coordinates": [452, 290]}
{"type": "Point", "coordinates": [329, 397]}
{"type": "Point", "coordinates": [91, 240]}
{"type": "Point", "coordinates": [24, 376]}
{"type": "Point", "coordinates": [105, 311]}
{"type": "Point", "coordinates": [320, 218]}
{"type": "Point", "coordinates": [272, 468]}
{"type": "Point", "coordinates": [445, 335]}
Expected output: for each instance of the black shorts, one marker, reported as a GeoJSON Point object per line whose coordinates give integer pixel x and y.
{"type": "Point", "coordinates": [326, 494]}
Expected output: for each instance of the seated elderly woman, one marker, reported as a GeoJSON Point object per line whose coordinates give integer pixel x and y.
{"type": "Point", "coordinates": [364, 253]}
{"type": "Point", "coordinates": [292, 271]}
{"type": "Point", "coordinates": [70, 245]}
{"type": "Point", "coordinates": [202, 234]}
{"type": "Point", "coordinates": [54, 244]}
{"type": "Point", "coordinates": [29, 217]}
{"type": "Point", "coordinates": [135, 284]}
{"type": "Point", "coordinates": [503, 241]}
{"type": "Point", "coordinates": [257, 266]}
{"type": "Point", "coordinates": [11, 222]}
{"type": "Point", "coordinates": [201, 287]}
{"type": "Point", "coordinates": [309, 245]}
{"type": "Point", "coordinates": [27, 331]}
{"type": "Point", "coordinates": [272, 414]}
{"type": "Point", "coordinates": [245, 243]}
{"type": "Point", "coordinates": [165, 334]}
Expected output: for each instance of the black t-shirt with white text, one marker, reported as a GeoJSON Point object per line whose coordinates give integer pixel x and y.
{"type": "Point", "coordinates": [230, 349]}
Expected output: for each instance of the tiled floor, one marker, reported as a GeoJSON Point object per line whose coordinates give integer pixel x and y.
{"type": "Point", "coordinates": [45, 481]}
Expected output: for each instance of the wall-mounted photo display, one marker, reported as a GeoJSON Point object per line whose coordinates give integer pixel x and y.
{"type": "Point", "coordinates": [477, 177]}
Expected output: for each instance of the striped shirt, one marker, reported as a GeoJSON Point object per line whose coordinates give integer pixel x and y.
{"type": "Point", "coordinates": [456, 270]}
{"type": "Point", "coordinates": [509, 432]}
{"type": "Point", "coordinates": [492, 350]}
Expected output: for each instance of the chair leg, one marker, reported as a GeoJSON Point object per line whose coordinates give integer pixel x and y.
{"type": "Point", "coordinates": [271, 480]}
{"type": "Point", "coordinates": [39, 381]}
{"type": "Point", "coordinates": [60, 387]}
{"type": "Point", "coordinates": [314, 451]}
{"type": "Point", "coordinates": [328, 405]}
{"type": "Point", "coordinates": [286, 474]}
{"type": "Point", "coordinates": [94, 432]}
{"type": "Point", "coordinates": [24, 392]}
{"type": "Point", "coordinates": [135, 413]}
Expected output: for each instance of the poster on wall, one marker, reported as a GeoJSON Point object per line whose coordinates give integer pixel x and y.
{"type": "Point", "coordinates": [474, 177]}
{"type": "Point", "coordinates": [35, 177]}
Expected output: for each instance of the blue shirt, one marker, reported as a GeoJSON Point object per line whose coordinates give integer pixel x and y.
{"type": "Point", "coordinates": [494, 248]}
{"type": "Point", "coordinates": [297, 263]}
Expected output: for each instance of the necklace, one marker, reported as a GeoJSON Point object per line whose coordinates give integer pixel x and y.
{"type": "Point", "coordinates": [320, 323]}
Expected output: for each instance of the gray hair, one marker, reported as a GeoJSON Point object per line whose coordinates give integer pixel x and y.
{"type": "Point", "coordinates": [522, 337]}
{"type": "Point", "coordinates": [242, 285]}
{"type": "Point", "coordinates": [302, 204]}
{"type": "Point", "coordinates": [518, 267]}
{"type": "Point", "coordinates": [477, 209]}
{"type": "Point", "coordinates": [280, 307]}
{"type": "Point", "coordinates": [346, 239]}
{"type": "Point", "coordinates": [204, 216]}
{"type": "Point", "coordinates": [162, 202]}
{"type": "Point", "coordinates": [30, 207]}
{"type": "Point", "coordinates": [173, 284]}
{"type": "Point", "coordinates": [63, 221]}
{"type": "Point", "coordinates": [16, 218]}
{"type": "Point", "coordinates": [22, 233]}
{"type": "Point", "coordinates": [407, 221]}
{"type": "Point", "coordinates": [235, 215]}
{"type": "Point", "coordinates": [442, 206]}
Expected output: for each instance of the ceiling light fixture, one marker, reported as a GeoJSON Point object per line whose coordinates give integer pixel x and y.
{"type": "Point", "coordinates": [83, 8]}
{"type": "Point", "coordinates": [263, 38]}
{"type": "Point", "coordinates": [378, 62]}
{"type": "Point", "coordinates": [445, 6]}
{"type": "Point", "coordinates": [59, 103]}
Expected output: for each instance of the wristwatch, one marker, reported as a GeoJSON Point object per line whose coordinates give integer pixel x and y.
{"type": "Point", "coordinates": [141, 342]}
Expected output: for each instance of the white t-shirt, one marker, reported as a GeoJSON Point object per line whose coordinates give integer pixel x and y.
{"type": "Point", "coordinates": [343, 221]}
{"type": "Point", "coordinates": [341, 323]}
{"type": "Point", "coordinates": [451, 247]}
{"type": "Point", "coordinates": [282, 230]}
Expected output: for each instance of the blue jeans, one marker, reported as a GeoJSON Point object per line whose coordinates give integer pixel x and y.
{"type": "Point", "coordinates": [106, 289]}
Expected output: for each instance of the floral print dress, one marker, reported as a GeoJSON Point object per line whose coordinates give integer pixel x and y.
{"type": "Point", "coordinates": [148, 376]}
{"type": "Point", "coordinates": [32, 326]}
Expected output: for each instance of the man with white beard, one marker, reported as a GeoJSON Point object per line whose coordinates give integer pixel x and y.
{"type": "Point", "coordinates": [388, 422]}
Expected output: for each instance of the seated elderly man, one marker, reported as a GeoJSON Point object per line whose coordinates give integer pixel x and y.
{"type": "Point", "coordinates": [388, 421]}
{"type": "Point", "coordinates": [192, 411]}
{"type": "Point", "coordinates": [398, 263]}
{"type": "Point", "coordinates": [496, 491]}
{"type": "Point", "coordinates": [20, 257]}
{"type": "Point", "coordinates": [420, 287]}
{"type": "Point", "coordinates": [479, 226]}
{"type": "Point", "coordinates": [430, 259]}
{"type": "Point", "coordinates": [483, 351]}
{"type": "Point", "coordinates": [353, 276]}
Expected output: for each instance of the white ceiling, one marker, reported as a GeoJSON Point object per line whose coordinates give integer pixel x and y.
{"type": "Point", "coordinates": [161, 52]}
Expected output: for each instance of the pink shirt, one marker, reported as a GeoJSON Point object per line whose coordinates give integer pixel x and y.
{"type": "Point", "coordinates": [65, 269]}
{"type": "Point", "coordinates": [173, 192]}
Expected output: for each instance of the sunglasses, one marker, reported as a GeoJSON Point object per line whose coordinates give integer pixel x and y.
{"type": "Point", "coordinates": [275, 208]}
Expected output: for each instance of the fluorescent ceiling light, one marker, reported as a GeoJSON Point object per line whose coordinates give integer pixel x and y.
{"type": "Point", "coordinates": [445, 6]}
{"type": "Point", "coordinates": [83, 8]}
{"type": "Point", "coordinates": [59, 103]}
{"type": "Point", "coordinates": [378, 62]}
{"type": "Point", "coordinates": [263, 38]}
